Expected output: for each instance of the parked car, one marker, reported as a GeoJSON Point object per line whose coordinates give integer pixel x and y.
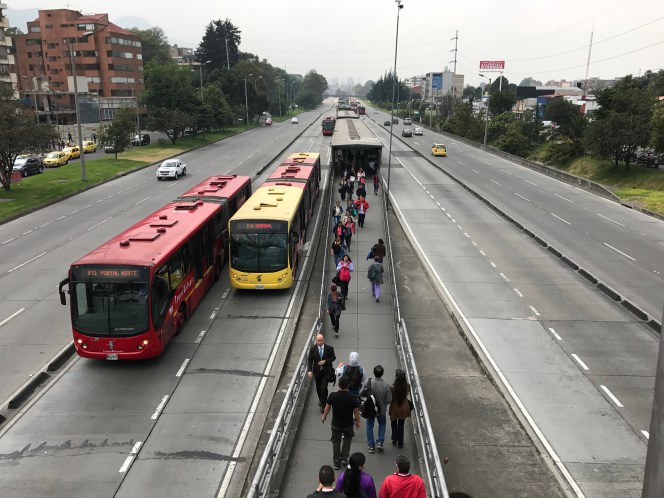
{"type": "Point", "coordinates": [73, 151]}
{"type": "Point", "coordinates": [395, 120]}
{"type": "Point", "coordinates": [418, 131]}
{"type": "Point", "coordinates": [386, 123]}
{"type": "Point", "coordinates": [89, 146]}
{"type": "Point", "coordinates": [28, 166]}
{"type": "Point", "coordinates": [268, 121]}
{"type": "Point", "coordinates": [406, 132]}
{"type": "Point", "coordinates": [144, 140]}
{"type": "Point", "coordinates": [171, 168]}
{"type": "Point", "coordinates": [55, 159]}
{"type": "Point", "coordinates": [407, 121]}
{"type": "Point", "coordinates": [294, 120]}
{"type": "Point", "coordinates": [111, 148]}
{"type": "Point", "coordinates": [438, 150]}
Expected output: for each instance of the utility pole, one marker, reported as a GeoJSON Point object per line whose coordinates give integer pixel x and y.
{"type": "Point", "coordinates": [228, 61]}
{"type": "Point", "coordinates": [456, 44]}
{"type": "Point", "coordinates": [653, 479]}
{"type": "Point", "coordinates": [585, 82]}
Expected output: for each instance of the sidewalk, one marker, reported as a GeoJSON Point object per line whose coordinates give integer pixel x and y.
{"type": "Point", "coordinates": [366, 327]}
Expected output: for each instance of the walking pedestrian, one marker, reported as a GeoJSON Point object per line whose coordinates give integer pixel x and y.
{"type": "Point", "coordinates": [376, 183]}
{"type": "Point", "coordinates": [337, 250]}
{"type": "Point", "coordinates": [375, 276]}
{"type": "Point", "coordinates": [360, 175]}
{"type": "Point", "coordinates": [349, 229]}
{"type": "Point", "coordinates": [354, 482]}
{"type": "Point", "coordinates": [335, 304]}
{"type": "Point", "coordinates": [69, 137]}
{"type": "Point", "coordinates": [325, 484]}
{"type": "Point", "coordinates": [337, 211]}
{"type": "Point", "coordinates": [362, 206]}
{"type": "Point", "coordinates": [399, 409]}
{"type": "Point", "coordinates": [319, 366]}
{"type": "Point", "coordinates": [402, 484]}
{"type": "Point", "coordinates": [94, 136]}
{"type": "Point", "coordinates": [361, 190]}
{"type": "Point", "coordinates": [339, 231]}
{"type": "Point", "coordinates": [343, 188]}
{"type": "Point", "coordinates": [344, 408]}
{"type": "Point", "coordinates": [355, 373]}
{"type": "Point", "coordinates": [351, 181]}
{"type": "Point", "coordinates": [382, 398]}
{"type": "Point", "coordinates": [345, 267]}
{"type": "Point", "coordinates": [379, 250]}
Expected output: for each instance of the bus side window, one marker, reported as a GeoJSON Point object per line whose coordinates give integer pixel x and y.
{"type": "Point", "coordinates": [176, 270]}
{"type": "Point", "coordinates": [160, 296]}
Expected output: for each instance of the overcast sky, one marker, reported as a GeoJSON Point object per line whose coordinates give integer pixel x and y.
{"type": "Point", "coordinates": [356, 38]}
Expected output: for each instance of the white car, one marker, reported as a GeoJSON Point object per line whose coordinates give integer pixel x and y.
{"type": "Point", "coordinates": [418, 131]}
{"type": "Point", "coordinates": [171, 168]}
{"type": "Point", "coordinates": [295, 120]}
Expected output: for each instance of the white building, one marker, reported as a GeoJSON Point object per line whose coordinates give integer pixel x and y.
{"type": "Point", "coordinates": [6, 58]}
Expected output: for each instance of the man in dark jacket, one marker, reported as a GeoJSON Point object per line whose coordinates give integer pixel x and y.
{"type": "Point", "coordinates": [344, 410]}
{"type": "Point", "coordinates": [319, 366]}
{"type": "Point", "coordinates": [326, 484]}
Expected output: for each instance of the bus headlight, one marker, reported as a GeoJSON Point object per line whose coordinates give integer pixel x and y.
{"type": "Point", "coordinates": [79, 341]}
{"type": "Point", "coordinates": [145, 342]}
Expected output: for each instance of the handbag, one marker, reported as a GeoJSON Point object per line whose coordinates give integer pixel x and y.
{"type": "Point", "coordinates": [335, 279]}
{"type": "Point", "coordinates": [331, 375]}
{"type": "Point", "coordinates": [411, 405]}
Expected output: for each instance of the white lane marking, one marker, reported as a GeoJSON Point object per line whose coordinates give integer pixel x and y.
{"type": "Point", "coordinates": [504, 277]}
{"type": "Point", "coordinates": [160, 407]}
{"type": "Point", "coordinates": [172, 185]}
{"type": "Point", "coordinates": [73, 212]}
{"type": "Point", "coordinates": [619, 251]}
{"type": "Point", "coordinates": [100, 223]}
{"type": "Point", "coordinates": [29, 231]}
{"type": "Point", "coordinates": [45, 225]}
{"type": "Point", "coordinates": [86, 207]}
{"type": "Point", "coordinates": [459, 227]}
{"type": "Point", "coordinates": [132, 454]}
{"type": "Point", "coordinates": [143, 200]}
{"type": "Point", "coordinates": [610, 395]}
{"type": "Point", "coordinates": [555, 334]}
{"type": "Point", "coordinates": [466, 234]}
{"type": "Point", "coordinates": [564, 221]}
{"type": "Point", "coordinates": [474, 243]}
{"type": "Point", "coordinates": [488, 164]}
{"type": "Point", "coordinates": [438, 203]}
{"type": "Point", "coordinates": [214, 313]}
{"type": "Point", "coordinates": [492, 264]}
{"type": "Point", "coordinates": [475, 171]}
{"type": "Point", "coordinates": [28, 261]}
{"type": "Point", "coordinates": [8, 240]}
{"type": "Point", "coordinates": [524, 198]}
{"type": "Point", "coordinates": [182, 367]}
{"type": "Point", "coordinates": [463, 318]}
{"type": "Point", "coordinates": [564, 198]}
{"type": "Point", "coordinates": [518, 292]}
{"type": "Point", "coordinates": [62, 217]}
{"type": "Point", "coordinates": [532, 308]}
{"type": "Point", "coordinates": [531, 183]}
{"type": "Point", "coordinates": [646, 434]}
{"type": "Point", "coordinates": [12, 316]}
{"type": "Point", "coordinates": [449, 215]}
{"type": "Point", "coordinates": [494, 181]}
{"type": "Point", "coordinates": [482, 252]}
{"type": "Point", "coordinates": [200, 337]}
{"type": "Point", "coordinates": [506, 172]}
{"type": "Point", "coordinates": [613, 221]}
{"type": "Point", "coordinates": [579, 361]}
{"type": "Point", "coordinates": [460, 163]}
{"type": "Point", "coordinates": [430, 194]}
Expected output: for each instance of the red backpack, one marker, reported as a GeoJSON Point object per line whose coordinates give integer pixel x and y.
{"type": "Point", "coordinates": [344, 273]}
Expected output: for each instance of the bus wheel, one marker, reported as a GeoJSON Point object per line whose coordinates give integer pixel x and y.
{"type": "Point", "coordinates": [217, 269]}
{"type": "Point", "coordinates": [181, 318]}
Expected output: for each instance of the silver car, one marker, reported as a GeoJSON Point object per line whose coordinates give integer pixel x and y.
{"type": "Point", "coordinates": [171, 168]}
{"type": "Point", "coordinates": [28, 166]}
{"type": "Point", "coordinates": [418, 131]}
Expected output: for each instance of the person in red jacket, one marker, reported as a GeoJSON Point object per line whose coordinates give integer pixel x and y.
{"type": "Point", "coordinates": [362, 206]}
{"type": "Point", "coordinates": [402, 484]}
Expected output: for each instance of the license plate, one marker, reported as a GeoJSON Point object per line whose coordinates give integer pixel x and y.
{"type": "Point", "coordinates": [259, 287]}
{"type": "Point", "coordinates": [111, 356]}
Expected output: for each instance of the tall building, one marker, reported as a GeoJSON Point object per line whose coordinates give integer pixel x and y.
{"type": "Point", "coordinates": [6, 58]}
{"type": "Point", "coordinates": [437, 85]}
{"type": "Point", "coordinates": [108, 58]}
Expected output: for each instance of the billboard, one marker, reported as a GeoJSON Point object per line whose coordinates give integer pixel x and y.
{"type": "Point", "coordinates": [492, 65]}
{"type": "Point", "coordinates": [436, 81]}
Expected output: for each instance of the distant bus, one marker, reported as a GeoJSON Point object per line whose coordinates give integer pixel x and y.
{"type": "Point", "coordinates": [361, 110]}
{"type": "Point", "coordinates": [328, 125]}
{"type": "Point", "coordinates": [132, 295]}
{"type": "Point", "coordinates": [266, 237]}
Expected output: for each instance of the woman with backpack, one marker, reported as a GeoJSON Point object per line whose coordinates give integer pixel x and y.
{"type": "Point", "coordinates": [376, 183]}
{"type": "Point", "coordinates": [337, 250]}
{"type": "Point", "coordinates": [349, 229]}
{"type": "Point", "coordinates": [375, 276]}
{"type": "Point", "coordinates": [334, 306]}
{"type": "Point", "coordinates": [354, 482]}
{"type": "Point", "coordinates": [399, 409]}
{"type": "Point", "coordinates": [344, 268]}
{"type": "Point", "coordinates": [354, 372]}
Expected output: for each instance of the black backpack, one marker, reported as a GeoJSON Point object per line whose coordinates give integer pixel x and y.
{"type": "Point", "coordinates": [354, 375]}
{"type": "Point", "coordinates": [367, 402]}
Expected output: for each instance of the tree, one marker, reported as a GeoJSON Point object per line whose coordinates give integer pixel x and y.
{"type": "Point", "coordinates": [314, 83]}
{"type": "Point", "coordinates": [171, 122]}
{"type": "Point", "coordinates": [220, 36]}
{"type": "Point", "coordinates": [154, 44]}
{"type": "Point", "coordinates": [529, 81]}
{"type": "Point", "coordinates": [118, 133]}
{"type": "Point", "coordinates": [657, 127]}
{"type": "Point", "coordinates": [471, 93]}
{"type": "Point", "coordinates": [561, 111]}
{"type": "Point", "coordinates": [19, 133]}
{"type": "Point", "coordinates": [221, 111]}
{"type": "Point", "coordinates": [168, 86]}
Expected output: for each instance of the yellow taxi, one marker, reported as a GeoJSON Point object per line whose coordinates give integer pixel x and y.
{"type": "Point", "coordinates": [73, 151]}
{"type": "Point", "coordinates": [55, 159]}
{"type": "Point", "coordinates": [89, 146]}
{"type": "Point", "coordinates": [438, 150]}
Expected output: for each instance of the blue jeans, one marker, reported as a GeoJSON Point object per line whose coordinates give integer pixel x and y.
{"type": "Point", "coordinates": [382, 422]}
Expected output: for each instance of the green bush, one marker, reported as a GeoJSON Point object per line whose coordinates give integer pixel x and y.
{"type": "Point", "coordinates": [559, 151]}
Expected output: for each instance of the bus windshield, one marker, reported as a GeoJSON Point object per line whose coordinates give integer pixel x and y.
{"type": "Point", "coordinates": [110, 309]}
{"type": "Point", "coordinates": [259, 247]}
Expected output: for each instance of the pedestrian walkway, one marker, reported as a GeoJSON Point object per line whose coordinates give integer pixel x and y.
{"type": "Point", "coordinates": [366, 327]}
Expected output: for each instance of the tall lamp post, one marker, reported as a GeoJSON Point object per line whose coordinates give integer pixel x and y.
{"type": "Point", "coordinates": [281, 82]}
{"type": "Point", "coordinates": [246, 99]}
{"type": "Point", "coordinates": [396, 46]}
{"type": "Point", "coordinates": [200, 75]}
{"type": "Point", "coordinates": [71, 45]}
{"type": "Point", "coordinates": [486, 111]}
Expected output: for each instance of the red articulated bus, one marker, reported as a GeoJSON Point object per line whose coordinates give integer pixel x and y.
{"type": "Point", "coordinates": [233, 190]}
{"type": "Point", "coordinates": [132, 295]}
{"type": "Point", "coordinates": [328, 125]}
{"type": "Point", "coordinates": [361, 110]}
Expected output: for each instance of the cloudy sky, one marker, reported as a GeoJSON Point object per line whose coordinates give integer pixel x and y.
{"type": "Point", "coordinates": [356, 38]}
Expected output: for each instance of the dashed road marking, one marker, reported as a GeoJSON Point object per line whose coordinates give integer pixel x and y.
{"type": "Point", "coordinates": [610, 395]}
{"type": "Point", "coordinates": [579, 361]}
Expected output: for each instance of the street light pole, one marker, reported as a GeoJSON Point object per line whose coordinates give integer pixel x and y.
{"type": "Point", "coordinates": [486, 111]}
{"type": "Point", "coordinates": [396, 46]}
{"type": "Point", "coordinates": [281, 82]}
{"type": "Point", "coordinates": [246, 100]}
{"type": "Point", "coordinates": [77, 107]}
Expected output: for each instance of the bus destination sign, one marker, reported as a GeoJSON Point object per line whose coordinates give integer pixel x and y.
{"type": "Point", "coordinates": [260, 226]}
{"type": "Point", "coordinates": [110, 273]}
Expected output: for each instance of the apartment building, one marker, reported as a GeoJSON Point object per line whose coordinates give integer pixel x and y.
{"type": "Point", "coordinates": [108, 59]}
{"type": "Point", "coordinates": [6, 58]}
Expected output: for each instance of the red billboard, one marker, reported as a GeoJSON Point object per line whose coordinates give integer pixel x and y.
{"type": "Point", "coordinates": [492, 65]}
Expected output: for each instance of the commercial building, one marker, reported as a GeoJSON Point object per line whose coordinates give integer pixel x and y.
{"type": "Point", "coordinates": [108, 58]}
{"type": "Point", "coordinates": [6, 58]}
{"type": "Point", "coordinates": [439, 84]}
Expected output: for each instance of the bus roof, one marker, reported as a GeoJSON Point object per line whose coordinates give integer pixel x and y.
{"type": "Point", "coordinates": [272, 202]}
{"type": "Point", "coordinates": [314, 156]}
{"type": "Point", "coordinates": [150, 241]}
{"type": "Point", "coordinates": [216, 187]}
{"type": "Point", "coordinates": [354, 134]}
{"type": "Point", "coordinates": [343, 114]}
{"type": "Point", "coordinates": [291, 172]}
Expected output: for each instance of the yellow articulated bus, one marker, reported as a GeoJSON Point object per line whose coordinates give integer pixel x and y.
{"type": "Point", "coordinates": [266, 235]}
